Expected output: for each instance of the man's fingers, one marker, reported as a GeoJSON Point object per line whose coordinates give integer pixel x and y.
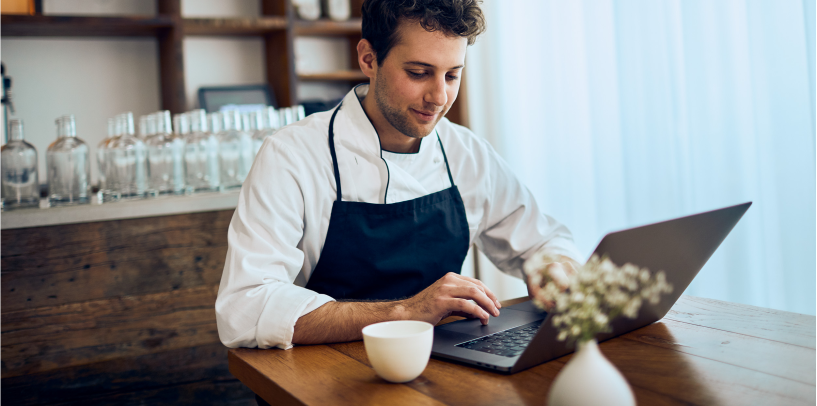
{"type": "Point", "coordinates": [473, 292]}
{"type": "Point", "coordinates": [471, 308]}
{"type": "Point", "coordinates": [484, 289]}
{"type": "Point", "coordinates": [557, 272]}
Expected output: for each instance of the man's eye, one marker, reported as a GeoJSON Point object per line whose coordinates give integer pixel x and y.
{"type": "Point", "coordinates": [452, 77]}
{"type": "Point", "coordinates": [416, 74]}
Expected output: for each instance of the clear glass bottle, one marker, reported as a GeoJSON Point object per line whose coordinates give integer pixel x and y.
{"type": "Point", "coordinates": [105, 172]}
{"type": "Point", "coordinates": [143, 127]}
{"type": "Point", "coordinates": [214, 121]}
{"type": "Point", "coordinates": [128, 160]}
{"type": "Point", "coordinates": [286, 116]}
{"type": "Point", "coordinates": [20, 183]}
{"type": "Point", "coordinates": [201, 154]}
{"type": "Point", "coordinates": [300, 112]}
{"type": "Point", "coordinates": [160, 155]}
{"type": "Point", "coordinates": [247, 129]}
{"type": "Point", "coordinates": [69, 166]}
{"type": "Point", "coordinates": [257, 124]}
{"type": "Point", "coordinates": [230, 157]}
{"type": "Point", "coordinates": [181, 125]}
{"type": "Point", "coordinates": [269, 125]}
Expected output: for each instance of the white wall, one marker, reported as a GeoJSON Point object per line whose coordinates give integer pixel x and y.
{"type": "Point", "coordinates": [220, 61]}
{"type": "Point", "coordinates": [95, 78]}
{"type": "Point", "coordinates": [99, 7]}
{"type": "Point", "coordinates": [91, 79]}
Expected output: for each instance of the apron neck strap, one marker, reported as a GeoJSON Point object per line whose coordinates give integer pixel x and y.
{"type": "Point", "coordinates": [335, 158]}
{"type": "Point", "coordinates": [332, 148]}
{"type": "Point", "coordinates": [447, 168]}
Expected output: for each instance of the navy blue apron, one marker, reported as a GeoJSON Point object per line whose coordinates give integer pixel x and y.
{"type": "Point", "coordinates": [390, 251]}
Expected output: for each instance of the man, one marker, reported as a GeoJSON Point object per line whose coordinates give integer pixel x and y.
{"type": "Point", "coordinates": [376, 202]}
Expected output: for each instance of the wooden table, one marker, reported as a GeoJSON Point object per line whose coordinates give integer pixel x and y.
{"type": "Point", "coordinates": [705, 352]}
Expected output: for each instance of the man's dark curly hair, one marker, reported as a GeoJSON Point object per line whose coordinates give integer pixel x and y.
{"type": "Point", "coordinates": [452, 17]}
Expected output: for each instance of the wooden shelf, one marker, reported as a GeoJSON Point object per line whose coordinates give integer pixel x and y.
{"type": "Point", "coordinates": [328, 27]}
{"type": "Point", "coordinates": [234, 26]}
{"type": "Point", "coordinates": [340, 76]}
{"type": "Point", "coordinates": [72, 26]}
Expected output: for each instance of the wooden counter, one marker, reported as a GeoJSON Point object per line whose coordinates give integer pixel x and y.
{"type": "Point", "coordinates": [704, 352]}
{"type": "Point", "coordinates": [118, 311]}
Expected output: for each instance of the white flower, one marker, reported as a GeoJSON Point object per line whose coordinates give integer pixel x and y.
{"type": "Point", "coordinates": [601, 319]}
{"type": "Point", "coordinates": [599, 291]}
{"type": "Point", "coordinates": [644, 276]}
{"type": "Point", "coordinates": [631, 308]}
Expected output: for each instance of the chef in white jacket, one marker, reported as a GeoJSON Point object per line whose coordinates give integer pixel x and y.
{"type": "Point", "coordinates": [374, 203]}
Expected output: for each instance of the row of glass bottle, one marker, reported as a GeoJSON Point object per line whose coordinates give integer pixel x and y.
{"type": "Point", "coordinates": [67, 166]}
{"type": "Point", "coordinates": [198, 153]}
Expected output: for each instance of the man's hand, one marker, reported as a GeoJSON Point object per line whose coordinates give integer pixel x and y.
{"type": "Point", "coordinates": [560, 272]}
{"type": "Point", "coordinates": [452, 295]}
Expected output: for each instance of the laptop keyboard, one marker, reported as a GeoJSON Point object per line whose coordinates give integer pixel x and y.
{"type": "Point", "coordinates": [508, 343]}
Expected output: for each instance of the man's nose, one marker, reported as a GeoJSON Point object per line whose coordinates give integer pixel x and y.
{"type": "Point", "coordinates": [436, 93]}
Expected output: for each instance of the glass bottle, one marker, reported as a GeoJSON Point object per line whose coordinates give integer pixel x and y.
{"type": "Point", "coordinates": [286, 116]}
{"type": "Point", "coordinates": [128, 160]}
{"type": "Point", "coordinates": [106, 177]}
{"type": "Point", "coordinates": [201, 154]}
{"type": "Point", "coordinates": [143, 127]}
{"type": "Point", "coordinates": [214, 120]}
{"type": "Point", "coordinates": [181, 125]}
{"type": "Point", "coordinates": [164, 155]}
{"type": "Point", "coordinates": [269, 125]}
{"type": "Point", "coordinates": [181, 128]}
{"type": "Point", "coordinates": [300, 112]}
{"type": "Point", "coordinates": [247, 129]}
{"type": "Point", "coordinates": [69, 166]}
{"type": "Point", "coordinates": [230, 157]}
{"type": "Point", "coordinates": [257, 125]}
{"type": "Point", "coordinates": [20, 184]}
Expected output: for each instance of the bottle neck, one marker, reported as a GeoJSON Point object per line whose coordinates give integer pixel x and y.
{"type": "Point", "coordinates": [255, 121]}
{"type": "Point", "coordinates": [163, 122]}
{"type": "Point", "coordinates": [66, 127]}
{"type": "Point", "coordinates": [230, 120]}
{"type": "Point", "coordinates": [15, 130]}
{"type": "Point", "coordinates": [198, 121]}
{"type": "Point", "coordinates": [181, 125]}
{"type": "Point", "coordinates": [272, 118]}
{"type": "Point", "coordinates": [215, 122]}
{"type": "Point", "coordinates": [124, 124]}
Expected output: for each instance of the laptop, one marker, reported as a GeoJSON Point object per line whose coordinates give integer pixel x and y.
{"type": "Point", "coordinates": [523, 336]}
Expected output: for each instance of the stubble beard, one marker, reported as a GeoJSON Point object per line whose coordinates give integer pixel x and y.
{"type": "Point", "coordinates": [397, 118]}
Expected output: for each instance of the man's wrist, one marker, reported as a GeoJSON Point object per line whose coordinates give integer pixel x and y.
{"type": "Point", "coordinates": [400, 311]}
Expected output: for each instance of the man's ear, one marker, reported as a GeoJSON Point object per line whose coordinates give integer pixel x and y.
{"type": "Point", "coordinates": [366, 58]}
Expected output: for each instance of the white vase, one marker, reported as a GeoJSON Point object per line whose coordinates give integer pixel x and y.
{"type": "Point", "coordinates": [590, 379]}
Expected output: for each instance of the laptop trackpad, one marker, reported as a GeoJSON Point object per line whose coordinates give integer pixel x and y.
{"type": "Point", "coordinates": [507, 319]}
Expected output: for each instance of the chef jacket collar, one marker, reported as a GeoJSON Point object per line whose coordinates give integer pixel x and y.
{"type": "Point", "coordinates": [354, 128]}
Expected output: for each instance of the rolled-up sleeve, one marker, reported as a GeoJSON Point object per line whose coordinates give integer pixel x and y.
{"type": "Point", "coordinates": [258, 304]}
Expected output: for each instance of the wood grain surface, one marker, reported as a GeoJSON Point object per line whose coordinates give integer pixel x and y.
{"type": "Point", "coordinates": [90, 261]}
{"type": "Point", "coordinates": [116, 312]}
{"type": "Point", "coordinates": [704, 352]}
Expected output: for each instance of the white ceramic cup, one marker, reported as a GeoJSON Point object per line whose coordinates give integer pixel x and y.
{"type": "Point", "coordinates": [399, 350]}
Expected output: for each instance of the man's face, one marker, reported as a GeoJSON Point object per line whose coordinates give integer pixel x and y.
{"type": "Point", "coordinates": [419, 79]}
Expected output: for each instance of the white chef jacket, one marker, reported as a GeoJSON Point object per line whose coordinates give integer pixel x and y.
{"type": "Point", "coordinates": [283, 213]}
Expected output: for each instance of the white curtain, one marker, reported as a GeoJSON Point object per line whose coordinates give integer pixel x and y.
{"type": "Point", "coordinates": [621, 113]}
